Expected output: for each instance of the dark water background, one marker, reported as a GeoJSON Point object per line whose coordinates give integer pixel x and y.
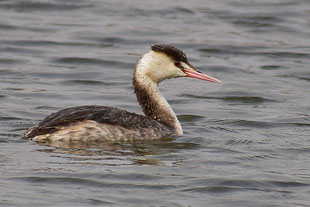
{"type": "Point", "coordinates": [246, 141]}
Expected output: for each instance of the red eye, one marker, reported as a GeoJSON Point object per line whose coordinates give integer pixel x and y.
{"type": "Point", "coordinates": [177, 64]}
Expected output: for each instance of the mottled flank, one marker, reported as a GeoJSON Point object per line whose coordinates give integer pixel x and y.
{"type": "Point", "coordinates": [89, 130]}
{"type": "Point", "coordinates": [96, 123]}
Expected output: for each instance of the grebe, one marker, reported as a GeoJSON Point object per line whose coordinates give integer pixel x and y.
{"type": "Point", "coordinates": [103, 123]}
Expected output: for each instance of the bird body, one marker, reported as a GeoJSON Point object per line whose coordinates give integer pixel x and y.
{"type": "Point", "coordinates": [103, 123]}
{"type": "Point", "coordinates": [95, 123]}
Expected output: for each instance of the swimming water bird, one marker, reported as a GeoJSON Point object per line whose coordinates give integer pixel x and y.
{"type": "Point", "coordinates": [103, 123]}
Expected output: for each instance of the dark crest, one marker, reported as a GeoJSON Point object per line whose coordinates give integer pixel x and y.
{"type": "Point", "coordinates": [174, 53]}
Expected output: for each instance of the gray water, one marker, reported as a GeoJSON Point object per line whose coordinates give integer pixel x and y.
{"type": "Point", "coordinates": [246, 141]}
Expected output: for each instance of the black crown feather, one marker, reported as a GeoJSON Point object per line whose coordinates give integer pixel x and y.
{"type": "Point", "coordinates": [174, 53]}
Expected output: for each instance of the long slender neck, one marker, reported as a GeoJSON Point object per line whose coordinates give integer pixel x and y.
{"type": "Point", "coordinates": [152, 102]}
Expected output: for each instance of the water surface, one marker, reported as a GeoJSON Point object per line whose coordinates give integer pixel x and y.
{"type": "Point", "coordinates": [246, 141]}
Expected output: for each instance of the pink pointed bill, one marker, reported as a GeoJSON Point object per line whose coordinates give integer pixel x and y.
{"type": "Point", "coordinates": [194, 74]}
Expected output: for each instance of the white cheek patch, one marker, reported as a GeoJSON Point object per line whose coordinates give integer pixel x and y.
{"type": "Point", "coordinates": [158, 66]}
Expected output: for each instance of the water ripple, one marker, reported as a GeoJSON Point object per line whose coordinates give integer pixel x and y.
{"type": "Point", "coordinates": [30, 6]}
{"type": "Point", "coordinates": [92, 183]}
{"type": "Point", "coordinates": [233, 51]}
{"type": "Point", "coordinates": [260, 124]}
{"type": "Point", "coordinates": [49, 43]}
{"type": "Point", "coordinates": [11, 61]}
{"type": "Point", "coordinates": [232, 185]}
{"type": "Point", "coordinates": [90, 61]}
{"type": "Point", "coordinates": [232, 98]}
